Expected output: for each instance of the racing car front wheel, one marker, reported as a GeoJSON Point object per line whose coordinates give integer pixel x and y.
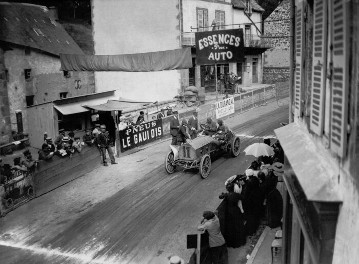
{"type": "Point", "coordinates": [170, 168]}
{"type": "Point", "coordinates": [205, 166]}
{"type": "Point", "coordinates": [235, 146]}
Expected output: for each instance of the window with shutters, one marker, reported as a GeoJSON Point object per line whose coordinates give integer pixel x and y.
{"type": "Point", "coordinates": [220, 19]}
{"type": "Point", "coordinates": [202, 19]}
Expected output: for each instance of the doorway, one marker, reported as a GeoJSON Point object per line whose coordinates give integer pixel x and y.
{"type": "Point", "coordinates": [255, 70]}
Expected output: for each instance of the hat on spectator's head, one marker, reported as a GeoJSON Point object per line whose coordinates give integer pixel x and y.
{"type": "Point", "coordinates": [26, 152]}
{"type": "Point", "coordinates": [208, 215]}
{"type": "Point", "coordinates": [142, 113]}
{"type": "Point", "coordinates": [220, 122]}
{"type": "Point", "coordinates": [249, 172]}
{"type": "Point", "coordinates": [176, 260]}
{"type": "Point", "coordinates": [77, 137]}
{"type": "Point", "coordinates": [48, 138]}
{"type": "Point", "coordinates": [103, 126]}
{"type": "Point", "coordinates": [61, 130]}
{"type": "Point", "coordinates": [65, 139]}
{"type": "Point", "coordinates": [97, 125]}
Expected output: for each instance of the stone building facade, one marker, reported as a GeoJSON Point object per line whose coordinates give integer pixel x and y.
{"type": "Point", "coordinates": [277, 31]}
{"type": "Point", "coordinates": [30, 64]}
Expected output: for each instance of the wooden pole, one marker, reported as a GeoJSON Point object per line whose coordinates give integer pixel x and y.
{"type": "Point", "coordinates": [215, 71]}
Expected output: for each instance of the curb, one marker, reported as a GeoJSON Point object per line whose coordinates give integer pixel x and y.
{"type": "Point", "coordinates": [258, 245]}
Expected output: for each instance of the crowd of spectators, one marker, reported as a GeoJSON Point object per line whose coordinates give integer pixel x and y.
{"type": "Point", "coordinates": [251, 198]}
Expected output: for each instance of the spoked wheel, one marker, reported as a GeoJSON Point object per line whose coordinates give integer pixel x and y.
{"type": "Point", "coordinates": [205, 166]}
{"type": "Point", "coordinates": [9, 203]}
{"type": "Point", "coordinates": [169, 166]}
{"type": "Point", "coordinates": [235, 147]}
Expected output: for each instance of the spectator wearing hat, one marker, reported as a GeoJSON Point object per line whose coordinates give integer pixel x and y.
{"type": "Point", "coordinates": [96, 131]}
{"type": "Point", "coordinates": [45, 153]}
{"type": "Point", "coordinates": [193, 125]}
{"type": "Point", "coordinates": [141, 118]}
{"type": "Point", "coordinates": [28, 161]}
{"type": "Point", "coordinates": [50, 144]}
{"type": "Point", "coordinates": [122, 125]}
{"type": "Point", "coordinates": [77, 144]}
{"type": "Point", "coordinates": [217, 244]}
{"type": "Point", "coordinates": [161, 114]}
{"type": "Point", "coordinates": [59, 138]}
{"type": "Point", "coordinates": [71, 136]}
{"type": "Point", "coordinates": [174, 127]}
{"type": "Point", "coordinates": [88, 138]}
{"type": "Point", "coordinates": [103, 141]}
{"type": "Point", "coordinates": [67, 146]}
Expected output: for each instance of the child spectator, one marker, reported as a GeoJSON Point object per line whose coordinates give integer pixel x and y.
{"type": "Point", "coordinates": [88, 138]}
{"type": "Point", "coordinates": [77, 145]}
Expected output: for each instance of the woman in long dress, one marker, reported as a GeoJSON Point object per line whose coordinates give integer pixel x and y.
{"type": "Point", "coordinates": [234, 229]}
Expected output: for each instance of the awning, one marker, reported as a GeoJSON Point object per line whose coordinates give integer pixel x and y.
{"type": "Point", "coordinates": [316, 173]}
{"type": "Point", "coordinates": [117, 105]}
{"type": "Point", "coordinates": [78, 107]}
{"type": "Point", "coordinates": [141, 62]}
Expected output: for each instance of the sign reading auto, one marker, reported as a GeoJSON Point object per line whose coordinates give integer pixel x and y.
{"type": "Point", "coordinates": [225, 107]}
{"type": "Point", "coordinates": [137, 135]}
{"type": "Point", "coordinates": [221, 46]}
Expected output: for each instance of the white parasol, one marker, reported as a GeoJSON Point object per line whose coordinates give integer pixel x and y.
{"type": "Point", "coordinates": [259, 149]}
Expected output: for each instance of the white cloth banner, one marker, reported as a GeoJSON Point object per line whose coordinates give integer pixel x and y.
{"type": "Point", "coordinates": [225, 107]}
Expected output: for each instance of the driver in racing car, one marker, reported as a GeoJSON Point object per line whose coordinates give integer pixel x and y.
{"type": "Point", "coordinates": [221, 131]}
{"type": "Point", "coordinates": [211, 127]}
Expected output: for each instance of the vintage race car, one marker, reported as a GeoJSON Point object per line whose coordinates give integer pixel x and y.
{"type": "Point", "coordinates": [198, 152]}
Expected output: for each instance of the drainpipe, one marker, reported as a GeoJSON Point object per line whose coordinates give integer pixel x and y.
{"type": "Point", "coordinates": [291, 60]}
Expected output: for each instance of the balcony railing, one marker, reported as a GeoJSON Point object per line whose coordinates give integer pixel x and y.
{"type": "Point", "coordinates": [188, 39]}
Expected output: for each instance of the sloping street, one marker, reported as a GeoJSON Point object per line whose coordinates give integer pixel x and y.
{"type": "Point", "coordinates": [121, 215]}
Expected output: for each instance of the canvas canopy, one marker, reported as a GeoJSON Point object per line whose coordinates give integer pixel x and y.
{"type": "Point", "coordinates": [141, 62]}
{"type": "Point", "coordinates": [118, 105]}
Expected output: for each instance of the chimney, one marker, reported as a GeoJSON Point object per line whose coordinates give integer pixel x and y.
{"type": "Point", "coordinates": [53, 13]}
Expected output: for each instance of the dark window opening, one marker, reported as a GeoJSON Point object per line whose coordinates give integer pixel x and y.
{"type": "Point", "coordinates": [63, 95]}
{"type": "Point", "coordinates": [30, 100]}
{"type": "Point", "coordinates": [27, 74]}
{"type": "Point", "coordinates": [67, 74]}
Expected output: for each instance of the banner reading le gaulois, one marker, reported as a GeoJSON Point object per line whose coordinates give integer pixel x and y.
{"type": "Point", "coordinates": [138, 135]}
{"type": "Point", "coordinates": [221, 46]}
{"type": "Point", "coordinates": [225, 107]}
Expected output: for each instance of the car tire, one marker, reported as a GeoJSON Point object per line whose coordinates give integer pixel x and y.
{"type": "Point", "coordinates": [169, 168]}
{"type": "Point", "coordinates": [235, 147]}
{"type": "Point", "coordinates": [205, 166]}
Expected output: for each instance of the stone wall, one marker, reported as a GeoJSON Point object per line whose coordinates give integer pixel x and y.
{"type": "Point", "coordinates": [275, 74]}
{"type": "Point", "coordinates": [276, 59]}
{"type": "Point", "coordinates": [5, 129]}
{"type": "Point", "coordinates": [46, 82]}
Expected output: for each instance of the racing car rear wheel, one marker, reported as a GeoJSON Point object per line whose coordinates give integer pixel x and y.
{"type": "Point", "coordinates": [205, 166]}
{"type": "Point", "coordinates": [170, 168]}
{"type": "Point", "coordinates": [235, 146]}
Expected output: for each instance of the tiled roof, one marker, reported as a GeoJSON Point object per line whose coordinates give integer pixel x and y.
{"type": "Point", "coordinates": [30, 25]}
{"type": "Point", "coordinates": [241, 4]}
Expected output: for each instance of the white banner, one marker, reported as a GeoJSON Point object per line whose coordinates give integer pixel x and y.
{"type": "Point", "coordinates": [225, 107]}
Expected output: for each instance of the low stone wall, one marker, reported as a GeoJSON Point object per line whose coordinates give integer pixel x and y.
{"type": "Point", "coordinates": [273, 75]}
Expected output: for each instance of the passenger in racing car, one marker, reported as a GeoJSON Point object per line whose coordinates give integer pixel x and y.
{"type": "Point", "coordinates": [211, 127]}
{"type": "Point", "coordinates": [183, 135]}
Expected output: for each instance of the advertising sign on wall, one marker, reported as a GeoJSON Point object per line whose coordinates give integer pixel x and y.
{"type": "Point", "coordinates": [138, 135]}
{"type": "Point", "coordinates": [221, 46]}
{"type": "Point", "coordinates": [225, 107]}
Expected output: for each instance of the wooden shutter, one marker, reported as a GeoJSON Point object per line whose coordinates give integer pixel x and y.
{"type": "Point", "coordinates": [199, 19]}
{"type": "Point", "coordinates": [299, 57]}
{"type": "Point", "coordinates": [205, 19]}
{"type": "Point", "coordinates": [319, 66]}
{"type": "Point", "coordinates": [340, 81]}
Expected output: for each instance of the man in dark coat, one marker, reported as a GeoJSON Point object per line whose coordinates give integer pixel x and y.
{"type": "Point", "coordinates": [59, 138]}
{"type": "Point", "coordinates": [103, 141]}
{"type": "Point", "coordinates": [141, 118]}
{"type": "Point", "coordinates": [174, 127]}
{"type": "Point", "coordinates": [212, 127]}
{"type": "Point", "coordinates": [193, 125]}
{"type": "Point", "coordinates": [182, 134]}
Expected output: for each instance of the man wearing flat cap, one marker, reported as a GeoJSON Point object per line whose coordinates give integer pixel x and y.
{"type": "Point", "coordinates": [217, 244]}
{"type": "Point", "coordinates": [103, 142]}
{"type": "Point", "coordinates": [59, 138]}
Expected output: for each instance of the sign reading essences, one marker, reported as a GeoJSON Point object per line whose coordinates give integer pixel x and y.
{"type": "Point", "coordinates": [137, 135]}
{"type": "Point", "coordinates": [221, 46]}
{"type": "Point", "coordinates": [225, 107]}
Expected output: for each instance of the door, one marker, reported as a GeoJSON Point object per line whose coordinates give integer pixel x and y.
{"type": "Point", "coordinates": [239, 72]}
{"type": "Point", "coordinates": [255, 70]}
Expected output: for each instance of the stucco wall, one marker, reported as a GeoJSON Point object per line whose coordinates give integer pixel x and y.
{"type": "Point", "coordinates": [5, 128]}
{"type": "Point", "coordinates": [46, 82]}
{"type": "Point", "coordinates": [127, 27]}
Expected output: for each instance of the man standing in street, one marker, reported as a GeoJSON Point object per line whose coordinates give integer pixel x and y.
{"type": "Point", "coordinates": [193, 125]}
{"type": "Point", "coordinates": [141, 118]}
{"type": "Point", "coordinates": [174, 127]}
{"type": "Point", "coordinates": [103, 141]}
{"type": "Point", "coordinates": [217, 244]}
